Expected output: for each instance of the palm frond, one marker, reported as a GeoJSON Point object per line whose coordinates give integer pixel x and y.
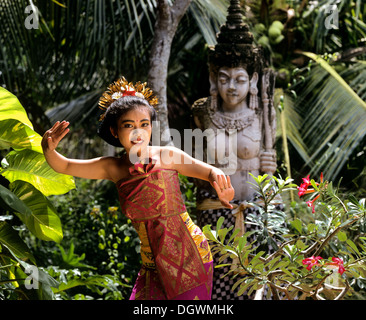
{"type": "Point", "coordinates": [335, 120]}
{"type": "Point", "coordinates": [348, 30]}
{"type": "Point", "coordinates": [80, 46]}
{"type": "Point", "coordinates": [293, 123]}
{"type": "Point", "coordinates": [209, 15]}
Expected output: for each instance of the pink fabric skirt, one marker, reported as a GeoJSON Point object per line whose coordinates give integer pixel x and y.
{"type": "Point", "coordinates": [149, 287]}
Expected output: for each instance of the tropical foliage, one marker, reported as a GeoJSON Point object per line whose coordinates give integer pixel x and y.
{"type": "Point", "coordinates": [30, 226]}
{"type": "Point", "coordinates": [322, 99]}
{"type": "Point", "coordinates": [296, 269]}
{"type": "Point", "coordinates": [59, 70]}
{"type": "Point", "coordinates": [27, 181]}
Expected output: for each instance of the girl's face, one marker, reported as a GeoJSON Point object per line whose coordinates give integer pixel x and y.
{"type": "Point", "coordinates": [134, 130]}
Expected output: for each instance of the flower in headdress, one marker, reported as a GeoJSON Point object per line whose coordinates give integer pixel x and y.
{"type": "Point", "coordinates": [140, 95]}
{"type": "Point", "coordinates": [122, 88]}
{"type": "Point", "coordinates": [117, 95]}
{"type": "Point", "coordinates": [128, 91]}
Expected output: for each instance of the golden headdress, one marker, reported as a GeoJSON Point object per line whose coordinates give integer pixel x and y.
{"type": "Point", "coordinates": [121, 88]}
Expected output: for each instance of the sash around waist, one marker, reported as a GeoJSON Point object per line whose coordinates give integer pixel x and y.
{"type": "Point", "coordinates": [152, 196]}
{"type": "Point", "coordinates": [157, 216]}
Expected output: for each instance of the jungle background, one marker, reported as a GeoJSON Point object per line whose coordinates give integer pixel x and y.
{"type": "Point", "coordinates": [59, 70]}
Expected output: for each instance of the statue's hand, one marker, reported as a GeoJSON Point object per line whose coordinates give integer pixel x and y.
{"type": "Point", "coordinates": [268, 161]}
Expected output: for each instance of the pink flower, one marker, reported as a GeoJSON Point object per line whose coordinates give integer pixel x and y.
{"type": "Point", "coordinates": [302, 190]}
{"type": "Point", "coordinates": [310, 262]}
{"type": "Point", "coordinates": [312, 203]}
{"type": "Point", "coordinates": [306, 180]}
{"type": "Point", "coordinates": [338, 262]}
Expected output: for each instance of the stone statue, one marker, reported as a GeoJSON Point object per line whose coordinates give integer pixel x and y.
{"type": "Point", "coordinates": [240, 113]}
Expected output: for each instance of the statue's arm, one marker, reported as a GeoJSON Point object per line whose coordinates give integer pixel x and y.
{"type": "Point", "coordinates": [268, 159]}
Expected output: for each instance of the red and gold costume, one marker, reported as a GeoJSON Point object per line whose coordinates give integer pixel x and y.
{"type": "Point", "coordinates": [176, 258]}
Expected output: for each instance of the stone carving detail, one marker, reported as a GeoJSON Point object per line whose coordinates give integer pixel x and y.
{"type": "Point", "coordinates": [241, 100]}
{"type": "Point", "coordinates": [241, 119]}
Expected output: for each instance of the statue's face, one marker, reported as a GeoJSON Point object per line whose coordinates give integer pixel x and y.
{"type": "Point", "coordinates": [233, 86]}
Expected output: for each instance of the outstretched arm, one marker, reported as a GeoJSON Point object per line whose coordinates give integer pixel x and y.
{"type": "Point", "coordinates": [89, 169]}
{"type": "Point", "coordinates": [191, 167]}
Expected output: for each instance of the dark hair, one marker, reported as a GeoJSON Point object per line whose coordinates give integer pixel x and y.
{"type": "Point", "coordinates": [117, 109]}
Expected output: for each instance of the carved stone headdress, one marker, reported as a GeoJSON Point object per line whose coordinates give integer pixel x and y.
{"type": "Point", "coordinates": [234, 46]}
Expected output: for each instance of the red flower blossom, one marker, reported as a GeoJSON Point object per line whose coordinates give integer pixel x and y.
{"type": "Point", "coordinates": [312, 203]}
{"type": "Point", "coordinates": [310, 262]}
{"type": "Point", "coordinates": [339, 263]}
{"type": "Point", "coordinates": [129, 93]}
{"type": "Point", "coordinates": [303, 188]}
{"type": "Point", "coordinates": [306, 180]}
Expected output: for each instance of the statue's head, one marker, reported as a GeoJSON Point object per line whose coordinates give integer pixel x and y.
{"type": "Point", "coordinates": [232, 85]}
{"type": "Point", "coordinates": [234, 51]}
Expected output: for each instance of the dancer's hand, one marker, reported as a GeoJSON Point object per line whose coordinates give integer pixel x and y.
{"type": "Point", "coordinates": [53, 136]}
{"type": "Point", "coordinates": [224, 190]}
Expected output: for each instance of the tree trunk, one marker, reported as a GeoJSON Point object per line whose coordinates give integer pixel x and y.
{"type": "Point", "coordinates": [168, 18]}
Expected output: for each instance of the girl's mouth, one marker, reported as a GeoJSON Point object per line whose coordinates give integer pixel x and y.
{"type": "Point", "coordinates": [137, 141]}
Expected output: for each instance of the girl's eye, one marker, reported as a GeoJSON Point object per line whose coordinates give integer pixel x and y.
{"type": "Point", "coordinates": [127, 125]}
{"type": "Point", "coordinates": [146, 124]}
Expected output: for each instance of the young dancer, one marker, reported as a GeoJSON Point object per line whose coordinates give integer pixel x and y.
{"type": "Point", "coordinates": [176, 258]}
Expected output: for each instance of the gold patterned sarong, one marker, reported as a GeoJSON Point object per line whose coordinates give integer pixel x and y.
{"type": "Point", "coordinates": [171, 243]}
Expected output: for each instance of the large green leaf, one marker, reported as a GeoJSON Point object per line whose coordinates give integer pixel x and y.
{"type": "Point", "coordinates": [32, 167]}
{"type": "Point", "coordinates": [9, 201]}
{"type": "Point", "coordinates": [45, 281]}
{"type": "Point", "coordinates": [15, 134]}
{"type": "Point", "coordinates": [11, 240]}
{"type": "Point", "coordinates": [10, 108]}
{"type": "Point", "coordinates": [92, 281]}
{"type": "Point", "coordinates": [43, 220]}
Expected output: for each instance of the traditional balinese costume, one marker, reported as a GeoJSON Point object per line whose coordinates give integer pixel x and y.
{"type": "Point", "coordinates": [176, 260]}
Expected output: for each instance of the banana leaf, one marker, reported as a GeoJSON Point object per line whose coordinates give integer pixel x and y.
{"type": "Point", "coordinates": [44, 281]}
{"type": "Point", "coordinates": [10, 108]}
{"type": "Point", "coordinates": [9, 201]}
{"type": "Point", "coordinates": [17, 135]}
{"type": "Point", "coordinates": [42, 220]}
{"type": "Point", "coordinates": [10, 239]}
{"type": "Point", "coordinates": [32, 167]}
